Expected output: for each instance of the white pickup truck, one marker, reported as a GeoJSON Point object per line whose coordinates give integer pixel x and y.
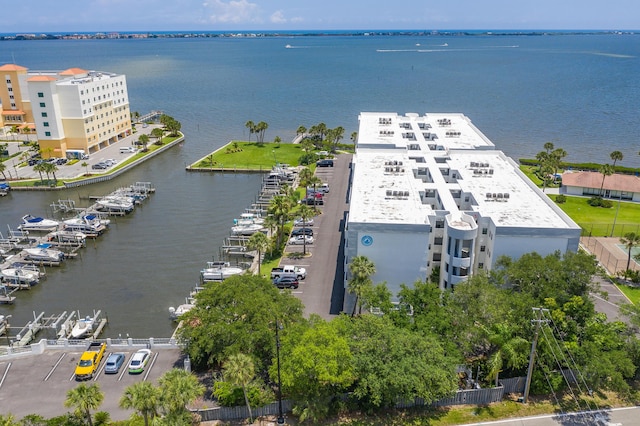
{"type": "Point", "coordinates": [290, 271]}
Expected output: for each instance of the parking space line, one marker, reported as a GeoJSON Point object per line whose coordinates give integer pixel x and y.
{"type": "Point", "coordinates": [54, 367]}
{"type": "Point", "coordinates": [6, 371]}
{"type": "Point", "coordinates": [148, 370]}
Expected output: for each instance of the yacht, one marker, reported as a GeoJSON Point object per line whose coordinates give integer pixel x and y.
{"type": "Point", "coordinates": [44, 253]}
{"type": "Point", "coordinates": [88, 224]}
{"type": "Point", "coordinates": [218, 271]}
{"type": "Point", "coordinates": [33, 223]}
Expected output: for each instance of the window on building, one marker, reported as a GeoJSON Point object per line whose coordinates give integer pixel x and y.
{"type": "Point", "coordinates": [437, 241]}
{"type": "Point", "coordinates": [11, 97]}
{"type": "Point", "coordinates": [44, 114]}
{"type": "Point", "coordinates": [437, 257]}
{"type": "Point", "coordinates": [42, 105]}
{"type": "Point", "coordinates": [45, 124]}
{"type": "Point", "coordinates": [8, 81]}
{"type": "Point", "coordinates": [484, 231]}
{"type": "Point", "coordinates": [480, 265]}
{"type": "Point", "coordinates": [47, 133]}
{"type": "Point", "coordinates": [40, 95]}
{"type": "Point", "coordinates": [439, 223]}
{"type": "Point", "coordinates": [483, 248]}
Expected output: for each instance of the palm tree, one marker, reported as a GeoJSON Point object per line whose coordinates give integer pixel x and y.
{"type": "Point", "coordinates": [606, 170]}
{"type": "Point", "coordinates": [260, 128]}
{"type": "Point", "coordinates": [3, 167]}
{"type": "Point", "coordinates": [558, 155]}
{"type": "Point", "coordinates": [86, 167]}
{"type": "Point", "coordinates": [301, 131]}
{"type": "Point", "coordinates": [85, 398]}
{"type": "Point", "coordinates": [304, 176]}
{"type": "Point", "coordinates": [40, 167]}
{"type": "Point", "coordinates": [240, 370]}
{"type": "Point", "coordinates": [338, 135]}
{"type": "Point", "coordinates": [615, 156]}
{"type": "Point", "coordinates": [277, 140]}
{"type": "Point", "coordinates": [260, 242]}
{"type": "Point", "coordinates": [177, 389]}
{"type": "Point", "coordinates": [157, 133]}
{"type": "Point", "coordinates": [305, 212]}
{"type": "Point", "coordinates": [508, 348]}
{"type": "Point", "coordinates": [548, 146]}
{"type": "Point", "coordinates": [630, 240]}
{"type": "Point", "coordinates": [251, 126]}
{"type": "Point", "coordinates": [280, 207]}
{"type": "Point", "coordinates": [143, 397]}
{"type": "Point", "coordinates": [144, 140]}
{"type": "Point", "coordinates": [354, 137]}
{"type": "Point", "coordinates": [306, 144]}
{"type": "Point", "coordinates": [314, 181]}
{"type": "Point", "coordinates": [362, 269]}
{"type": "Point", "coordinates": [51, 168]}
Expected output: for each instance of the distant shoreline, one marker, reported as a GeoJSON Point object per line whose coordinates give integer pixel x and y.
{"type": "Point", "coordinates": [136, 35]}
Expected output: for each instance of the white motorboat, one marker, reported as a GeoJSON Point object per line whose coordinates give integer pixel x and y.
{"type": "Point", "coordinates": [248, 217]}
{"type": "Point", "coordinates": [33, 223]}
{"type": "Point", "coordinates": [82, 328]}
{"type": "Point", "coordinates": [246, 228]}
{"type": "Point", "coordinates": [89, 224]}
{"type": "Point", "coordinates": [44, 253]}
{"type": "Point", "coordinates": [20, 275]}
{"type": "Point", "coordinates": [176, 313]}
{"type": "Point", "coordinates": [218, 271]}
{"type": "Point", "coordinates": [64, 236]}
{"type": "Point", "coordinates": [116, 203]}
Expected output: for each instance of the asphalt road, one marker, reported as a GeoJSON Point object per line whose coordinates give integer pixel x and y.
{"type": "Point", "coordinates": [39, 384]}
{"type": "Point", "coordinates": [614, 417]}
{"type": "Point", "coordinates": [322, 292]}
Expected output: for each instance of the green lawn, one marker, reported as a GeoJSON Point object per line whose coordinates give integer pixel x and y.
{"type": "Point", "coordinates": [598, 221]}
{"type": "Point", "coordinates": [251, 155]}
{"type": "Point", "coordinates": [633, 293]}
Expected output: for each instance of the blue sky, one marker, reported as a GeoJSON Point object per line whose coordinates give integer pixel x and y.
{"type": "Point", "coordinates": [236, 15]}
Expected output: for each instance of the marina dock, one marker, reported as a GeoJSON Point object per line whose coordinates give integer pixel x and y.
{"type": "Point", "coordinates": [38, 243]}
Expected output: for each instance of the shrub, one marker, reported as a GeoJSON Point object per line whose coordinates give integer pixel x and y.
{"type": "Point", "coordinates": [308, 158]}
{"type": "Point", "coordinates": [561, 199]}
{"type": "Point", "coordinates": [595, 201]}
{"type": "Point", "coordinates": [229, 395]}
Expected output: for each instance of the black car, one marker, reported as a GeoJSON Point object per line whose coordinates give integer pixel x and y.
{"type": "Point", "coordinates": [302, 231]}
{"type": "Point", "coordinates": [324, 163]}
{"type": "Point", "coordinates": [286, 282]}
{"type": "Point", "coordinates": [311, 201]}
{"type": "Point", "coordinates": [100, 166]}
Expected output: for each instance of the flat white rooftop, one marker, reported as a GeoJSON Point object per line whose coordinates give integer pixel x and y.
{"type": "Point", "coordinates": [379, 195]}
{"type": "Point", "coordinates": [500, 192]}
{"type": "Point", "coordinates": [430, 132]}
{"type": "Point", "coordinates": [387, 188]}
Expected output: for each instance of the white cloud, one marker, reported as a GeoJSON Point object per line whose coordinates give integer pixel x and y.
{"type": "Point", "coordinates": [278, 18]}
{"type": "Point", "coordinates": [232, 11]}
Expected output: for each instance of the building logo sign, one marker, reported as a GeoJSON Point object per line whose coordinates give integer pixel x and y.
{"type": "Point", "coordinates": [366, 240]}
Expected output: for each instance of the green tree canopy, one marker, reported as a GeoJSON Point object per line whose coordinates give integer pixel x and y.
{"type": "Point", "coordinates": [235, 316]}
{"type": "Point", "coordinates": [391, 363]}
{"type": "Point", "coordinates": [142, 397]}
{"type": "Point", "coordinates": [316, 365]}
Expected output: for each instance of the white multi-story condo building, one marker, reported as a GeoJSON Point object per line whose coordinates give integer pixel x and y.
{"type": "Point", "coordinates": [71, 111]}
{"type": "Point", "coordinates": [432, 192]}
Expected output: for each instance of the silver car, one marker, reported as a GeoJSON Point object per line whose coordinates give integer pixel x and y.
{"type": "Point", "coordinates": [114, 362]}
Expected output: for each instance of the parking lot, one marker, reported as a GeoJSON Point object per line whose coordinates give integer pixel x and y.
{"type": "Point", "coordinates": [68, 171]}
{"type": "Point", "coordinates": [51, 375]}
{"type": "Point", "coordinates": [322, 292]}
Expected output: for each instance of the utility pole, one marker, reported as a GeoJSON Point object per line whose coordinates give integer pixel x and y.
{"type": "Point", "coordinates": [532, 354]}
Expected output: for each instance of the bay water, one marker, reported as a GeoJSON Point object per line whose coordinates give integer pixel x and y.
{"type": "Point", "coordinates": [580, 92]}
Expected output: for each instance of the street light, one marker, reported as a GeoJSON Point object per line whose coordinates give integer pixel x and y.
{"type": "Point", "coordinates": [280, 416]}
{"type": "Point", "coordinates": [274, 157]}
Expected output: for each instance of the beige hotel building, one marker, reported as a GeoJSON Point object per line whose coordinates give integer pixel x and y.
{"type": "Point", "coordinates": [72, 111]}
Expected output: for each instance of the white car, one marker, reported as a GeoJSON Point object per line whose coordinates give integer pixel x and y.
{"type": "Point", "coordinates": [139, 361]}
{"type": "Point", "coordinates": [110, 161]}
{"type": "Point", "coordinates": [301, 239]}
{"type": "Point", "coordinates": [301, 222]}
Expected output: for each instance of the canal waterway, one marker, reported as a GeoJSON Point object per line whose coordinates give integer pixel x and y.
{"type": "Point", "coordinates": [578, 91]}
